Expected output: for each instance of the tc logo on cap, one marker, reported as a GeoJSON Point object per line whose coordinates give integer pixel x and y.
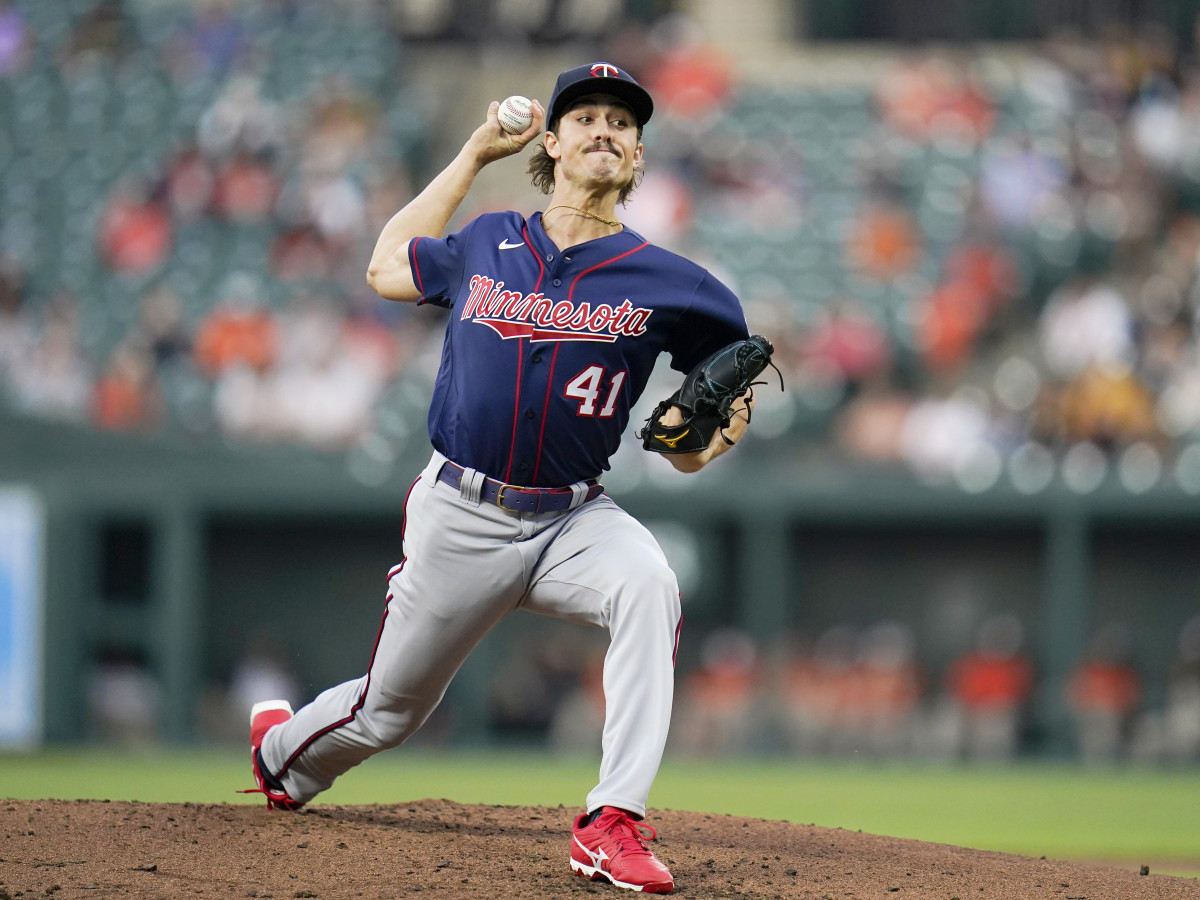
{"type": "Point", "coordinates": [604, 70]}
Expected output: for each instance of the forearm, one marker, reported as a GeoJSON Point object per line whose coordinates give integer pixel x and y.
{"type": "Point", "coordinates": [426, 215]}
{"type": "Point", "coordinates": [720, 443]}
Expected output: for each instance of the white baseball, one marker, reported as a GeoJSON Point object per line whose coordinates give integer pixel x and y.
{"type": "Point", "coordinates": [515, 115]}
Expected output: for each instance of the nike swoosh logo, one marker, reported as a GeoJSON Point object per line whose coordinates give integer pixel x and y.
{"type": "Point", "coordinates": [505, 245]}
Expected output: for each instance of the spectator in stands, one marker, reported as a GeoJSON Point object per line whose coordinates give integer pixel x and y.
{"type": "Point", "coordinates": [53, 378]}
{"type": "Point", "coordinates": [883, 690]}
{"type": "Point", "coordinates": [979, 280]}
{"type": "Point", "coordinates": [190, 181]}
{"type": "Point", "coordinates": [1178, 405]}
{"type": "Point", "coordinates": [926, 96]}
{"type": "Point", "coordinates": [338, 210]}
{"type": "Point", "coordinates": [815, 688]}
{"type": "Point", "coordinates": [126, 396]}
{"type": "Point", "coordinates": [1171, 733]}
{"type": "Point", "coordinates": [124, 700]}
{"type": "Point", "coordinates": [245, 189]}
{"type": "Point", "coordinates": [1016, 178]}
{"type": "Point", "coordinates": [1109, 407]}
{"type": "Point", "coordinates": [719, 697]}
{"type": "Point", "coordinates": [690, 78]}
{"type": "Point", "coordinates": [214, 41]}
{"type": "Point", "coordinates": [135, 229]}
{"type": "Point", "coordinates": [16, 329]}
{"type": "Point", "coordinates": [341, 119]}
{"type": "Point", "coordinates": [301, 254]}
{"type": "Point", "coordinates": [990, 687]}
{"type": "Point", "coordinates": [105, 32]}
{"type": "Point", "coordinates": [950, 319]}
{"type": "Point", "coordinates": [1085, 322]}
{"type": "Point", "coordinates": [238, 330]}
{"type": "Point", "coordinates": [324, 395]}
{"type": "Point", "coordinates": [245, 405]}
{"type": "Point", "coordinates": [1103, 694]}
{"type": "Point", "coordinates": [242, 118]}
{"type": "Point", "coordinates": [884, 241]}
{"type": "Point", "coordinates": [855, 693]}
{"type": "Point", "coordinates": [16, 40]}
{"type": "Point", "coordinates": [161, 327]}
{"type": "Point", "coordinates": [942, 433]}
{"type": "Point", "coordinates": [237, 346]}
{"type": "Point", "coordinates": [1181, 711]}
{"type": "Point", "coordinates": [870, 426]}
{"type": "Point", "coordinates": [849, 343]}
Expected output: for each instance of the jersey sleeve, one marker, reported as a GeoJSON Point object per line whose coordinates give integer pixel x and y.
{"type": "Point", "coordinates": [438, 264]}
{"type": "Point", "coordinates": [713, 320]}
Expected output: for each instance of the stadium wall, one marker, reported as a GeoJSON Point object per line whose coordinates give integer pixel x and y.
{"type": "Point", "coordinates": [175, 553]}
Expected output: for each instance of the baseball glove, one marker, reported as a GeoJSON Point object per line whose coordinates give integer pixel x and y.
{"type": "Point", "coordinates": [706, 397]}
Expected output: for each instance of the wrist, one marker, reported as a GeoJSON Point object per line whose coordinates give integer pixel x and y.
{"type": "Point", "coordinates": [471, 160]}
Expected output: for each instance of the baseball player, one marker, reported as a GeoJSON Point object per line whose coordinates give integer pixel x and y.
{"type": "Point", "coordinates": [555, 325]}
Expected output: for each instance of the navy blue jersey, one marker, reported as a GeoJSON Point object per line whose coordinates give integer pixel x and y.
{"type": "Point", "coordinates": [546, 351]}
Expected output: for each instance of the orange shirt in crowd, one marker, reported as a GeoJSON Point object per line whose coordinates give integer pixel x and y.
{"type": "Point", "coordinates": [232, 336]}
{"type": "Point", "coordinates": [1100, 686]}
{"type": "Point", "coordinates": [987, 682]}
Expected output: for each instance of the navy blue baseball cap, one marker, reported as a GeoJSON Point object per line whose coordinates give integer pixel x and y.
{"type": "Point", "coordinates": [598, 78]}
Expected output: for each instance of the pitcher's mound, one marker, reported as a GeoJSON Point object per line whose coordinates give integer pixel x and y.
{"type": "Point", "coordinates": [436, 848]}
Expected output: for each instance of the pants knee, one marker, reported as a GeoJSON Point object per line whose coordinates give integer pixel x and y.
{"type": "Point", "coordinates": [651, 602]}
{"type": "Point", "coordinates": [391, 725]}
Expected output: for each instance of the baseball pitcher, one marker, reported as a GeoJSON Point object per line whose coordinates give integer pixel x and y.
{"type": "Point", "coordinates": [555, 325]}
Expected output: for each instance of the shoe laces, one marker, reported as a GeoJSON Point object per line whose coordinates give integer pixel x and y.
{"type": "Point", "coordinates": [275, 799]}
{"type": "Point", "coordinates": [628, 833]}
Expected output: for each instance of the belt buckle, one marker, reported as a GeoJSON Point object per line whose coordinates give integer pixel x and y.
{"type": "Point", "coordinates": [500, 495]}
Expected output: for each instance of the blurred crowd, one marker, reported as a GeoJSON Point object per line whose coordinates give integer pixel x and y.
{"type": "Point", "coordinates": [863, 693]}
{"type": "Point", "coordinates": [229, 295]}
{"type": "Point", "coordinates": [990, 269]}
{"type": "Point", "coordinates": [973, 268]}
{"type": "Point", "coordinates": [848, 693]}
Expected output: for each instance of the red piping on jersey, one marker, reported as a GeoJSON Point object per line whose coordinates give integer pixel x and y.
{"type": "Point", "coordinates": [545, 409]}
{"type": "Point", "coordinates": [362, 697]}
{"type": "Point", "coordinates": [601, 265]}
{"type": "Point", "coordinates": [550, 385]}
{"type": "Point", "coordinates": [678, 629]}
{"type": "Point", "coordinates": [416, 268]}
{"type": "Point", "coordinates": [512, 444]}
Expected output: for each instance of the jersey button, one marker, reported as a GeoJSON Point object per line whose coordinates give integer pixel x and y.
{"type": "Point", "coordinates": [549, 257]}
{"type": "Point", "coordinates": [524, 467]}
{"type": "Point", "coordinates": [557, 282]}
{"type": "Point", "coordinates": [537, 357]}
{"type": "Point", "coordinates": [530, 414]}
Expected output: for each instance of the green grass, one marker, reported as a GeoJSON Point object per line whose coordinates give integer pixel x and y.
{"type": "Point", "coordinates": [1125, 815]}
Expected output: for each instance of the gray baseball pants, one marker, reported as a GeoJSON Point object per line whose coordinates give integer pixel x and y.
{"type": "Point", "coordinates": [466, 566]}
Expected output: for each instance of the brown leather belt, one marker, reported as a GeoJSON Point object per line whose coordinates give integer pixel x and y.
{"type": "Point", "coordinates": [520, 499]}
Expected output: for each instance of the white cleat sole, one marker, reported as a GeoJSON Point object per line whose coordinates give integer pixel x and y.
{"type": "Point", "coordinates": [595, 874]}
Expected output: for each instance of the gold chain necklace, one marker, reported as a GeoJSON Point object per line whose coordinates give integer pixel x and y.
{"type": "Point", "coordinates": [612, 223]}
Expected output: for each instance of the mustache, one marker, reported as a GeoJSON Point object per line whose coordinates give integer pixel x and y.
{"type": "Point", "coordinates": [602, 145]}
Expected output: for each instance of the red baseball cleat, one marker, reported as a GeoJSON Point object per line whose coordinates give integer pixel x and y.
{"type": "Point", "coordinates": [263, 717]}
{"type": "Point", "coordinates": [613, 847]}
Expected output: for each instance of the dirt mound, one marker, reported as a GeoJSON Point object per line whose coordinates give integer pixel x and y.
{"type": "Point", "coordinates": [442, 849]}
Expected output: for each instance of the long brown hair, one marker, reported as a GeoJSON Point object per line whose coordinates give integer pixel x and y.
{"type": "Point", "coordinates": [541, 170]}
